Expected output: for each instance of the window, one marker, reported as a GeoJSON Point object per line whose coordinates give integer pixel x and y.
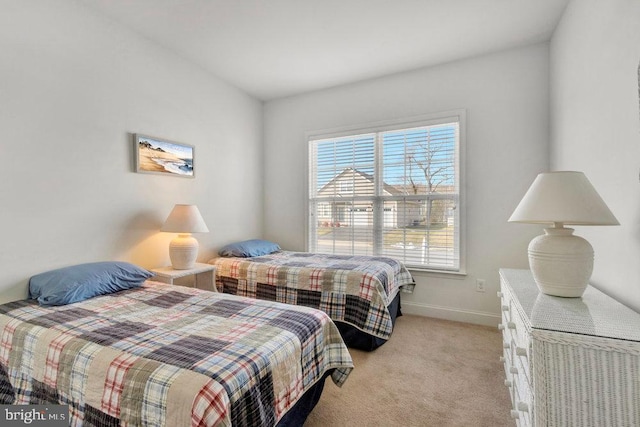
{"type": "Point", "coordinates": [346, 186]}
{"type": "Point", "coordinates": [390, 190]}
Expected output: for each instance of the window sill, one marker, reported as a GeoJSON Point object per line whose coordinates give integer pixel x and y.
{"type": "Point", "coordinates": [458, 275]}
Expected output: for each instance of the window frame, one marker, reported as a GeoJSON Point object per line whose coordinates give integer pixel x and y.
{"type": "Point", "coordinates": [458, 115]}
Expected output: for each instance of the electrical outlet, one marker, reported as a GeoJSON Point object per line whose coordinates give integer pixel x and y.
{"type": "Point", "coordinates": [480, 285]}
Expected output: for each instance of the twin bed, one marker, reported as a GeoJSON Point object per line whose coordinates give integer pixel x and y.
{"type": "Point", "coordinates": [119, 349]}
{"type": "Point", "coordinates": [163, 355]}
{"type": "Point", "coordinates": [361, 294]}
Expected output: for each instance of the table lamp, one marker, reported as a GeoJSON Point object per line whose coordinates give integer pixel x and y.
{"type": "Point", "coordinates": [562, 263]}
{"type": "Point", "coordinates": [183, 249]}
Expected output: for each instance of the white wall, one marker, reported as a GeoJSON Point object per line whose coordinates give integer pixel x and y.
{"type": "Point", "coordinates": [506, 96]}
{"type": "Point", "coordinates": [73, 87]}
{"type": "Point", "coordinates": [595, 120]}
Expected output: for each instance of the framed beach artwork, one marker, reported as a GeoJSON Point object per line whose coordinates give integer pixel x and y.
{"type": "Point", "coordinates": [159, 156]}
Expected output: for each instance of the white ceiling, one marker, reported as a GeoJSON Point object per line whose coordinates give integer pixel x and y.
{"type": "Point", "coordinates": [277, 48]}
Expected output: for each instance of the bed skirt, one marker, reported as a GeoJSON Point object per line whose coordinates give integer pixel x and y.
{"type": "Point", "coordinates": [297, 415]}
{"type": "Point", "coordinates": [355, 338]}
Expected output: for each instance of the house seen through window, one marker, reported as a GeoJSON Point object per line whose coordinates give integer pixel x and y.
{"type": "Point", "coordinates": [392, 191]}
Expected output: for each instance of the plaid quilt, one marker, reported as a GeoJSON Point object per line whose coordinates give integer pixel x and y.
{"type": "Point", "coordinates": [165, 355]}
{"type": "Point", "coordinates": [351, 289]}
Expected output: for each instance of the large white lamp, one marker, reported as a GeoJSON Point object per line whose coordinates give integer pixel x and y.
{"type": "Point", "coordinates": [183, 250]}
{"type": "Point", "coordinates": [562, 263]}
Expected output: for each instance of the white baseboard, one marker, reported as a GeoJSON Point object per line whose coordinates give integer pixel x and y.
{"type": "Point", "coordinates": [450, 313]}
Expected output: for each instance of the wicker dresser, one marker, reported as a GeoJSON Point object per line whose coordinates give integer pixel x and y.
{"type": "Point", "coordinates": [569, 361]}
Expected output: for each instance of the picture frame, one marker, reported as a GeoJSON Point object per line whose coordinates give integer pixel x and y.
{"type": "Point", "coordinates": [163, 157]}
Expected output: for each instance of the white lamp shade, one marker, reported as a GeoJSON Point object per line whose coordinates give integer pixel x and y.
{"type": "Point", "coordinates": [185, 219]}
{"type": "Point", "coordinates": [565, 197]}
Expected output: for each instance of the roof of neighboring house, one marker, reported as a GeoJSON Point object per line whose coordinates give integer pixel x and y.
{"type": "Point", "coordinates": [387, 187]}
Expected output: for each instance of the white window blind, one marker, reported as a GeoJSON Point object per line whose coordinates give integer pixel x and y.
{"type": "Point", "coordinates": [390, 192]}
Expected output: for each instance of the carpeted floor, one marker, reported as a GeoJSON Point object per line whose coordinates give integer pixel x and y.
{"type": "Point", "coordinates": [430, 373]}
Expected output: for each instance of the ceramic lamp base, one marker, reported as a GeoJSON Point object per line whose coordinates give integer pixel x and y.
{"type": "Point", "coordinates": [561, 263]}
{"type": "Point", "coordinates": [183, 251]}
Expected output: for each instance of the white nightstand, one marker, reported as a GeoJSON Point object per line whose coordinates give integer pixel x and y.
{"type": "Point", "coordinates": [205, 275]}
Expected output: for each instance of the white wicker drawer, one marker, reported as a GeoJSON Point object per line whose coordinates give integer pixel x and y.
{"type": "Point", "coordinates": [506, 362]}
{"type": "Point", "coordinates": [522, 408]}
{"type": "Point", "coordinates": [522, 347]}
{"type": "Point", "coordinates": [507, 326]}
{"type": "Point", "coordinates": [519, 329]}
{"type": "Point", "coordinates": [523, 396]}
{"type": "Point", "coordinates": [522, 363]}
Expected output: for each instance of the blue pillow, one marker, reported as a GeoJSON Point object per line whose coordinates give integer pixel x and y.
{"type": "Point", "coordinates": [248, 248]}
{"type": "Point", "coordinates": [80, 282]}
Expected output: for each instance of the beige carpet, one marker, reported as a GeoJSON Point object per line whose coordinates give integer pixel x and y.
{"type": "Point", "coordinates": [430, 373]}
